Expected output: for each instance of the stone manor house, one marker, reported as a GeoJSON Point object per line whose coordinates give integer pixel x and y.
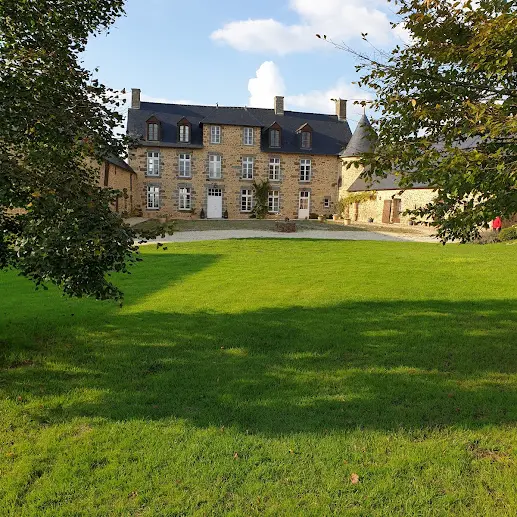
{"type": "Point", "coordinates": [204, 159]}
{"type": "Point", "coordinates": [193, 158]}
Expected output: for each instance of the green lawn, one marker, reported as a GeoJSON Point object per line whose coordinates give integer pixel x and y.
{"type": "Point", "coordinates": [256, 377]}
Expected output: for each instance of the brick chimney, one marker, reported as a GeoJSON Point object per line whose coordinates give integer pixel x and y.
{"type": "Point", "coordinates": [341, 109]}
{"type": "Point", "coordinates": [279, 105]}
{"type": "Point", "coordinates": [135, 98]}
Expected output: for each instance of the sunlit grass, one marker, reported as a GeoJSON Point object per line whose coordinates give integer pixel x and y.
{"type": "Point", "coordinates": [255, 377]}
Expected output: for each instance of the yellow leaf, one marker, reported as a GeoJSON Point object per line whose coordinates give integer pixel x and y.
{"type": "Point", "coordinates": [413, 102]}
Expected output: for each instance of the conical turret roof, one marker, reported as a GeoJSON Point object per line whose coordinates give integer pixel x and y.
{"type": "Point", "coordinates": [362, 140]}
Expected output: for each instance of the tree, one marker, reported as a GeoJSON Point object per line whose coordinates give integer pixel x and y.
{"type": "Point", "coordinates": [56, 125]}
{"type": "Point", "coordinates": [447, 108]}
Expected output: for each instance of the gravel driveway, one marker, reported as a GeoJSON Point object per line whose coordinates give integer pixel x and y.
{"type": "Point", "coordinates": [216, 235]}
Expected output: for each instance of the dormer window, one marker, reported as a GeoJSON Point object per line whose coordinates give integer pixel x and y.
{"type": "Point", "coordinates": [305, 132]}
{"type": "Point", "coordinates": [275, 135]}
{"type": "Point", "coordinates": [274, 138]}
{"type": "Point", "coordinates": [306, 139]}
{"type": "Point", "coordinates": [184, 130]}
{"type": "Point", "coordinates": [153, 131]}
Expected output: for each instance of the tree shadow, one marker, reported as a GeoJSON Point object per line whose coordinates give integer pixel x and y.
{"type": "Point", "coordinates": [376, 365]}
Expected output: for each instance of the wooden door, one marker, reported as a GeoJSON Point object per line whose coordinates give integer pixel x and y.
{"type": "Point", "coordinates": [395, 212]}
{"type": "Point", "coordinates": [386, 213]}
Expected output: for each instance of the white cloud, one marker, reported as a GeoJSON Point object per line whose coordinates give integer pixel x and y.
{"type": "Point", "coordinates": [269, 82]}
{"type": "Point", "coordinates": [341, 20]}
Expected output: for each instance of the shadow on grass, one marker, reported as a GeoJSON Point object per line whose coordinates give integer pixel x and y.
{"type": "Point", "coordinates": [377, 365]}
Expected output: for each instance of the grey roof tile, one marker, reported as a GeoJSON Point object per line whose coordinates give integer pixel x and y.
{"type": "Point", "coordinates": [330, 135]}
{"type": "Point", "coordinates": [119, 162]}
{"type": "Point", "coordinates": [361, 141]}
{"type": "Point", "coordinates": [390, 182]}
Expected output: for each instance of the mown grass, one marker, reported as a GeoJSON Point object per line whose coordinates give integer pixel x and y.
{"type": "Point", "coordinates": [256, 377]}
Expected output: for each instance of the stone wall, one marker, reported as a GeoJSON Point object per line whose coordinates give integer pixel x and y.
{"type": "Point", "coordinates": [119, 179]}
{"type": "Point", "coordinates": [323, 183]}
{"type": "Point", "coordinates": [409, 200]}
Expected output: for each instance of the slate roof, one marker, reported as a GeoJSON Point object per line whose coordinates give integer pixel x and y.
{"type": "Point", "coordinates": [361, 141]}
{"type": "Point", "coordinates": [119, 162]}
{"type": "Point", "coordinates": [329, 137]}
{"type": "Point", "coordinates": [390, 182]}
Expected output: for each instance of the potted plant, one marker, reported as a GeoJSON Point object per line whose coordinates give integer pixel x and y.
{"type": "Point", "coordinates": [370, 219]}
{"type": "Point", "coordinates": [347, 221]}
{"type": "Point", "coordinates": [321, 218]}
{"type": "Point", "coordinates": [202, 214]}
{"type": "Point", "coordinates": [335, 217]}
{"type": "Point", "coordinates": [225, 214]}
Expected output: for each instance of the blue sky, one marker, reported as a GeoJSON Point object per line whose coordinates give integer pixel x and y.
{"type": "Point", "coordinates": [207, 52]}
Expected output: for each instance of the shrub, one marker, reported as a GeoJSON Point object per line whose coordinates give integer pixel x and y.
{"type": "Point", "coordinates": [508, 234]}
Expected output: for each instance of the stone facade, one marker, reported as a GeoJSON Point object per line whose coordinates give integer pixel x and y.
{"type": "Point", "coordinates": [375, 208]}
{"type": "Point", "coordinates": [118, 178]}
{"type": "Point", "coordinates": [232, 150]}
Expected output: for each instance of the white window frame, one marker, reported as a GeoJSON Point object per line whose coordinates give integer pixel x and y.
{"type": "Point", "coordinates": [247, 167]}
{"type": "Point", "coordinates": [326, 202]}
{"type": "Point", "coordinates": [185, 165]}
{"type": "Point", "coordinates": [273, 201]}
{"type": "Point", "coordinates": [185, 198]}
{"type": "Point", "coordinates": [246, 200]}
{"type": "Point", "coordinates": [215, 166]}
{"type": "Point", "coordinates": [305, 169]}
{"type": "Point", "coordinates": [153, 163]}
{"type": "Point", "coordinates": [248, 136]}
{"type": "Point", "coordinates": [184, 133]}
{"type": "Point", "coordinates": [153, 197]}
{"type": "Point", "coordinates": [306, 140]}
{"type": "Point", "coordinates": [274, 169]}
{"type": "Point", "coordinates": [215, 134]}
{"type": "Point", "coordinates": [154, 132]}
{"type": "Point", "coordinates": [271, 138]}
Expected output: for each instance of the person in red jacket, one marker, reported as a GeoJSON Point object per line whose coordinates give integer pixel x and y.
{"type": "Point", "coordinates": [496, 224]}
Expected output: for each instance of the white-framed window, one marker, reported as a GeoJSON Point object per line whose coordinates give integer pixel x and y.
{"type": "Point", "coordinates": [246, 200]}
{"type": "Point", "coordinates": [274, 169]}
{"type": "Point", "coordinates": [306, 139]}
{"type": "Point", "coordinates": [274, 201]}
{"type": "Point", "coordinates": [153, 131]}
{"type": "Point", "coordinates": [215, 134]}
{"type": "Point", "coordinates": [326, 202]}
{"type": "Point", "coordinates": [247, 167]}
{"type": "Point", "coordinates": [248, 136]}
{"type": "Point", "coordinates": [185, 198]}
{"type": "Point", "coordinates": [185, 133]}
{"type": "Point", "coordinates": [214, 166]}
{"type": "Point", "coordinates": [274, 138]}
{"type": "Point", "coordinates": [185, 165]}
{"type": "Point", "coordinates": [153, 163]}
{"type": "Point", "coordinates": [153, 197]}
{"type": "Point", "coordinates": [305, 170]}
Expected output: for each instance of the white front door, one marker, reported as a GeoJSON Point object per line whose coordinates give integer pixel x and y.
{"type": "Point", "coordinates": [305, 205]}
{"type": "Point", "coordinates": [214, 204]}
